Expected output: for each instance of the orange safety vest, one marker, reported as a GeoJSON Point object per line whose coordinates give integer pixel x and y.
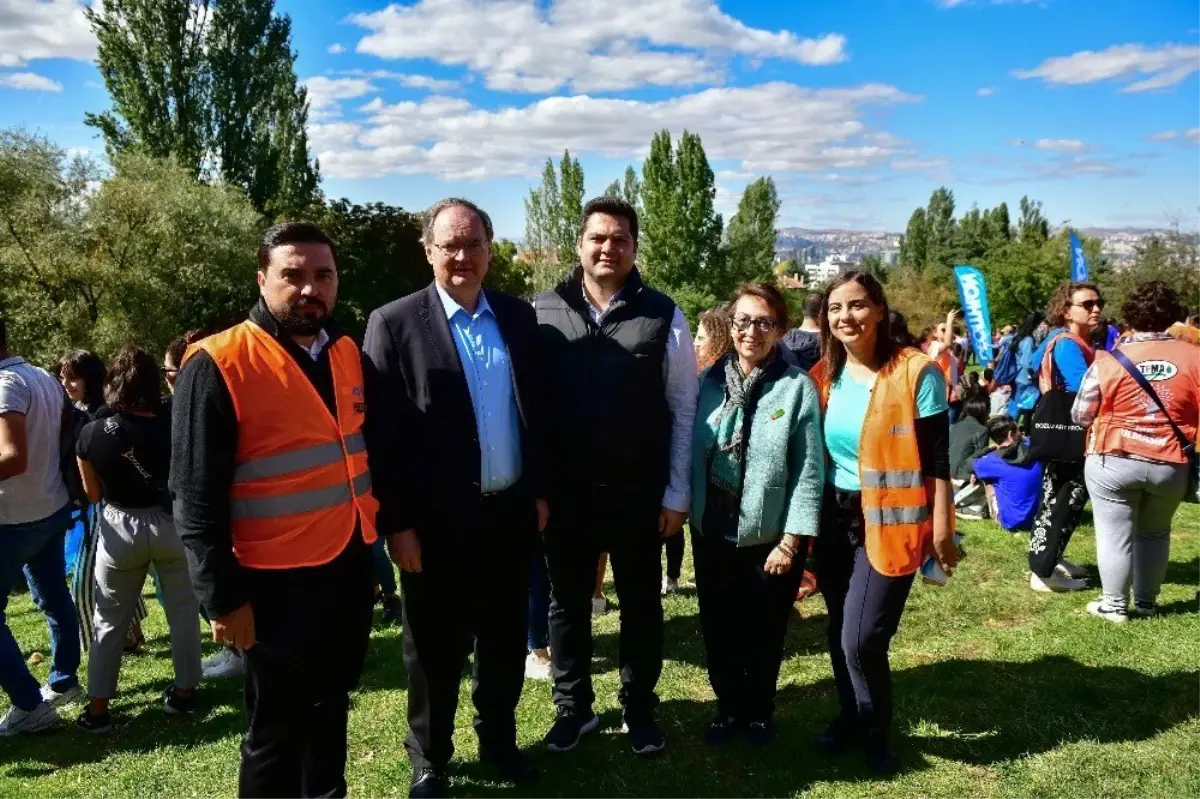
{"type": "Point", "coordinates": [300, 480]}
{"type": "Point", "coordinates": [896, 496]}
{"type": "Point", "coordinates": [946, 362]}
{"type": "Point", "coordinates": [1129, 422]}
{"type": "Point", "coordinates": [1046, 375]}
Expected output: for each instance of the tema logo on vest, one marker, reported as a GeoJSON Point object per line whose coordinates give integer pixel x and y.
{"type": "Point", "coordinates": [1158, 370]}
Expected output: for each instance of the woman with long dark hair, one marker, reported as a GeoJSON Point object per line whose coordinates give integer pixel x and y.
{"type": "Point", "coordinates": [888, 500]}
{"type": "Point", "coordinates": [124, 459]}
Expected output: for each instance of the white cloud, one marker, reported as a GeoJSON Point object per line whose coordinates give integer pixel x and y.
{"type": "Point", "coordinates": [772, 128]}
{"type": "Point", "coordinates": [1166, 135]}
{"type": "Point", "coordinates": [29, 82]}
{"type": "Point", "coordinates": [1165, 66]}
{"type": "Point", "coordinates": [957, 3]}
{"type": "Point", "coordinates": [519, 45]}
{"type": "Point", "coordinates": [407, 80]}
{"type": "Point", "coordinates": [1192, 135]}
{"type": "Point", "coordinates": [932, 163]}
{"type": "Point", "coordinates": [1061, 145]}
{"type": "Point", "coordinates": [33, 29]}
{"type": "Point", "coordinates": [1183, 137]}
{"type": "Point", "coordinates": [986, 91]}
{"type": "Point", "coordinates": [335, 49]}
{"type": "Point", "coordinates": [325, 94]}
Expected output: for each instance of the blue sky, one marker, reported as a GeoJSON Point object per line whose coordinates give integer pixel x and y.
{"type": "Point", "coordinates": [857, 109]}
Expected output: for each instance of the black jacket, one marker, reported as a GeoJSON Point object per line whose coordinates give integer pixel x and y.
{"type": "Point", "coordinates": [422, 442]}
{"type": "Point", "coordinates": [204, 433]}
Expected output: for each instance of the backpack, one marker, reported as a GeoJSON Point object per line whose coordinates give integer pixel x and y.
{"type": "Point", "coordinates": [1005, 371]}
{"type": "Point", "coordinates": [73, 421]}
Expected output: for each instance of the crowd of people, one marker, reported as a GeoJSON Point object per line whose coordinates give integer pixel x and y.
{"type": "Point", "coordinates": [491, 447]}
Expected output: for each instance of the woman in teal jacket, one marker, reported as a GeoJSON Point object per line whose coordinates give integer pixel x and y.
{"type": "Point", "coordinates": [758, 468]}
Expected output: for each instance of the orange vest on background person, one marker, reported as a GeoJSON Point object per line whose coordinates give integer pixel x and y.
{"type": "Point", "coordinates": [1185, 332]}
{"type": "Point", "coordinates": [1129, 422]}
{"type": "Point", "coordinates": [945, 361]}
{"type": "Point", "coordinates": [896, 496]}
{"type": "Point", "coordinates": [300, 481]}
{"type": "Point", "coordinates": [1046, 375]}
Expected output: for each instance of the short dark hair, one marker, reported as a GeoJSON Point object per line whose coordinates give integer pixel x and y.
{"type": "Point", "coordinates": [989, 374]}
{"type": "Point", "coordinates": [132, 383]}
{"type": "Point", "coordinates": [977, 407]}
{"type": "Point", "coordinates": [812, 305]}
{"type": "Point", "coordinates": [178, 345]}
{"type": "Point", "coordinates": [430, 216]}
{"type": "Point", "coordinates": [768, 293]}
{"type": "Point", "coordinates": [291, 233]}
{"type": "Point", "coordinates": [1152, 307]}
{"type": "Point", "coordinates": [88, 367]}
{"type": "Point", "coordinates": [1000, 428]}
{"type": "Point", "coordinates": [611, 206]}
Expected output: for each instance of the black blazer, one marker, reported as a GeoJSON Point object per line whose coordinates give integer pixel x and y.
{"type": "Point", "coordinates": [422, 444]}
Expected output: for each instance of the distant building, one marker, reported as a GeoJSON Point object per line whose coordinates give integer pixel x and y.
{"type": "Point", "coordinates": [828, 269]}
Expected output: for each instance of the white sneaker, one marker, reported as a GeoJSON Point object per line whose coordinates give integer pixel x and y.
{"type": "Point", "coordinates": [1056, 583]}
{"type": "Point", "coordinates": [17, 721]}
{"type": "Point", "coordinates": [1072, 570]}
{"type": "Point", "coordinates": [599, 606]}
{"type": "Point", "coordinates": [537, 667]}
{"type": "Point", "coordinates": [1103, 611]}
{"type": "Point", "coordinates": [63, 698]}
{"type": "Point", "coordinates": [670, 586]}
{"type": "Point", "coordinates": [229, 666]}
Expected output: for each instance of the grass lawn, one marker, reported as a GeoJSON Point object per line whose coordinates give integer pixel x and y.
{"type": "Point", "coordinates": [1000, 692]}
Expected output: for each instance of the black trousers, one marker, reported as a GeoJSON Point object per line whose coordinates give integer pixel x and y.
{"type": "Point", "coordinates": [864, 612]}
{"type": "Point", "coordinates": [1064, 495]}
{"type": "Point", "coordinates": [312, 626]}
{"type": "Point", "coordinates": [625, 525]}
{"type": "Point", "coordinates": [743, 614]}
{"type": "Point", "coordinates": [472, 593]}
{"type": "Point", "coordinates": [674, 547]}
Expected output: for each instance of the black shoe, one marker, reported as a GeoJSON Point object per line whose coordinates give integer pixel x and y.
{"type": "Point", "coordinates": [760, 733]}
{"type": "Point", "coordinates": [839, 736]}
{"type": "Point", "coordinates": [176, 705]}
{"type": "Point", "coordinates": [568, 728]}
{"type": "Point", "coordinates": [880, 757]}
{"type": "Point", "coordinates": [89, 723]}
{"type": "Point", "coordinates": [644, 735]}
{"type": "Point", "coordinates": [393, 609]}
{"type": "Point", "coordinates": [512, 765]}
{"type": "Point", "coordinates": [427, 783]}
{"type": "Point", "coordinates": [720, 731]}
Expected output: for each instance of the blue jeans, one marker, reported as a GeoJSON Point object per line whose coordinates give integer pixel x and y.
{"type": "Point", "coordinates": [538, 636]}
{"type": "Point", "coordinates": [383, 568]}
{"type": "Point", "coordinates": [38, 547]}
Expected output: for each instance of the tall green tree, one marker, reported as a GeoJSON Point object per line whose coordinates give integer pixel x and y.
{"type": "Point", "coordinates": [628, 189]}
{"type": "Point", "coordinates": [661, 220]}
{"type": "Point", "coordinates": [552, 212]}
{"type": "Point", "coordinates": [914, 244]}
{"type": "Point", "coordinates": [570, 208]}
{"type": "Point", "coordinates": [1032, 227]}
{"type": "Point", "coordinates": [212, 85]}
{"type": "Point", "coordinates": [751, 233]}
{"type": "Point", "coordinates": [940, 254]}
{"type": "Point", "coordinates": [702, 225]}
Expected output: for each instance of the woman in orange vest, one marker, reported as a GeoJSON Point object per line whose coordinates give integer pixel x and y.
{"type": "Point", "coordinates": [888, 501]}
{"type": "Point", "coordinates": [1137, 469]}
{"type": "Point", "coordinates": [1074, 311]}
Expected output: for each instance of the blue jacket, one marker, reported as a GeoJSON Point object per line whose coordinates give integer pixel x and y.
{"type": "Point", "coordinates": [785, 459]}
{"type": "Point", "coordinates": [1067, 357]}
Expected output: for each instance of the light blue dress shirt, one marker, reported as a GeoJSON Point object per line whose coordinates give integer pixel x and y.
{"type": "Point", "coordinates": [485, 364]}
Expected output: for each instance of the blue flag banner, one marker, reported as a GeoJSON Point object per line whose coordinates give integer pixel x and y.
{"type": "Point", "coordinates": [972, 295]}
{"type": "Point", "coordinates": [1079, 270]}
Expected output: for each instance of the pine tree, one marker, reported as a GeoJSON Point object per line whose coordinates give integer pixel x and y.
{"type": "Point", "coordinates": [660, 221]}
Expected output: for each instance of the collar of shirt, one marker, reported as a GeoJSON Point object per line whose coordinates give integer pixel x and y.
{"type": "Point", "coordinates": [1148, 337]}
{"type": "Point", "coordinates": [597, 313]}
{"type": "Point", "coordinates": [14, 360]}
{"type": "Point", "coordinates": [318, 344]}
{"type": "Point", "coordinates": [451, 307]}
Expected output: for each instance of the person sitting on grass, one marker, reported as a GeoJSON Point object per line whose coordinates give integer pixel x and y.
{"type": "Point", "coordinates": [968, 441]}
{"type": "Point", "coordinates": [1012, 479]}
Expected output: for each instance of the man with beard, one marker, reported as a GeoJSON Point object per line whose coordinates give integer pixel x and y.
{"type": "Point", "coordinates": [273, 501]}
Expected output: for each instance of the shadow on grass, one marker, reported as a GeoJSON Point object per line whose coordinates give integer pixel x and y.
{"type": "Point", "coordinates": [1183, 573]}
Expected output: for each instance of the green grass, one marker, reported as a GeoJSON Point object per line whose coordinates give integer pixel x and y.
{"type": "Point", "coordinates": [1000, 692]}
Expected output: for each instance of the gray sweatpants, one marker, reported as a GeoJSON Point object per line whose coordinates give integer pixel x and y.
{"type": "Point", "coordinates": [1133, 503]}
{"type": "Point", "coordinates": [130, 540]}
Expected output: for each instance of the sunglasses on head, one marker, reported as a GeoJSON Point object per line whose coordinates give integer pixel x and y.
{"type": "Point", "coordinates": [1091, 305]}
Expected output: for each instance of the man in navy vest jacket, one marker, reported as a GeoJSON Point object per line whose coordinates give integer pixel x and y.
{"type": "Point", "coordinates": [621, 375]}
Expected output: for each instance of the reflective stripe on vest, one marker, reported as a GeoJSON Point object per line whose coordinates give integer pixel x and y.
{"type": "Point", "coordinates": [299, 460]}
{"type": "Point", "coordinates": [893, 515]}
{"type": "Point", "coordinates": [901, 478]}
{"type": "Point", "coordinates": [301, 501]}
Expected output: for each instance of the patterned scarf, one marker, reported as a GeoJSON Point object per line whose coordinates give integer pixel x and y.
{"type": "Point", "coordinates": [728, 454]}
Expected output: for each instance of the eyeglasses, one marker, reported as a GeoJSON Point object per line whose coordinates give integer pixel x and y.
{"type": "Point", "coordinates": [764, 324]}
{"type": "Point", "coordinates": [471, 248]}
{"type": "Point", "coordinates": [1090, 305]}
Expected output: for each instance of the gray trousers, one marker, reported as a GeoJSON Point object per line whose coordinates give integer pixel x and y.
{"type": "Point", "coordinates": [130, 540]}
{"type": "Point", "coordinates": [1133, 503]}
